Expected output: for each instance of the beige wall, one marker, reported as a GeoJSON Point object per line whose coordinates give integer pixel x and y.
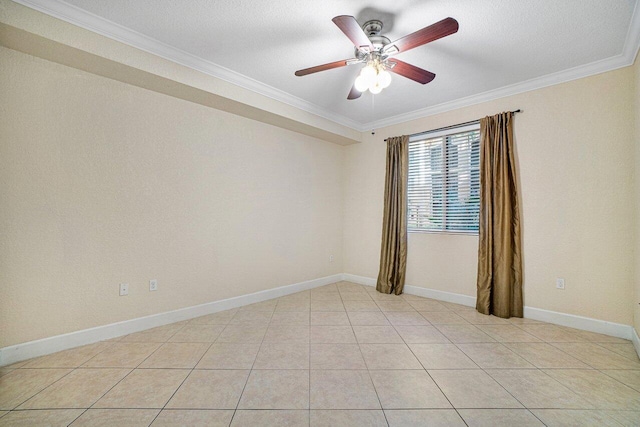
{"type": "Point", "coordinates": [575, 149]}
{"type": "Point", "coordinates": [104, 183]}
{"type": "Point", "coordinates": [636, 92]}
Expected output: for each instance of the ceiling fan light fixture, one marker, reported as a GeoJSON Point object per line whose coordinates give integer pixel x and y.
{"type": "Point", "coordinates": [361, 84]}
{"type": "Point", "coordinates": [384, 79]}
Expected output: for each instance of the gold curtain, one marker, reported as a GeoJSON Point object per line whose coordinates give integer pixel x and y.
{"type": "Point", "coordinates": [499, 253]}
{"type": "Point", "coordinates": [393, 253]}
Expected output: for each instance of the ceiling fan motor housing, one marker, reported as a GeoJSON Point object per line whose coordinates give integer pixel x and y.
{"type": "Point", "coordinates": [372, 29]}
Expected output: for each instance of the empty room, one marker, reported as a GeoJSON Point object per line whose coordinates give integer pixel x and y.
{"type": "Point", "coordinates": [319, 213]}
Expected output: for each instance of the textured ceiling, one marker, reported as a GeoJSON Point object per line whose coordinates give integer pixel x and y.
{"type": "Point", "coordinates": [500, 43]}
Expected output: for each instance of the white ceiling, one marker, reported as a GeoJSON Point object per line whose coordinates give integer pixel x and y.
{"type": "Point", "coordinates": [502, 47]}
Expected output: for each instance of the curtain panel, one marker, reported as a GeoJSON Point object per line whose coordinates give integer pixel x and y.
{"type": "Point", "coordinates": [499, 284]}
{"type": "Point", "coordinates": [393, 252]}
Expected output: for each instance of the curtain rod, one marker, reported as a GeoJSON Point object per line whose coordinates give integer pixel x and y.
{"type": "Point", "coordinates": [453, 126]}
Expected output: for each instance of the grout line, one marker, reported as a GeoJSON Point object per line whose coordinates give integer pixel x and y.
{"type": "Point", "coordinates": [252, 365]}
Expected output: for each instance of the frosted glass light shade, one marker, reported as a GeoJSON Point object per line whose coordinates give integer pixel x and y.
{"type": "Point", "coordinates": [384, 79]}
{"type": "Point", "coordinates": [361, 84]}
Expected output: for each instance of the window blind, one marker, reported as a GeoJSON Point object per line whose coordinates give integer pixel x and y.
{"type": "Point", "coordinates": [444, 181]}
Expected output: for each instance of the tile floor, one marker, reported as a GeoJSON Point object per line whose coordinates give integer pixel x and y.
{"type": "Point", "coordinates": [339, 355]}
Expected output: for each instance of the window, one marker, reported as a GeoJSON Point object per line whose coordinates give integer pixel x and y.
{"type": "Point", "coordinates": [444, 181]}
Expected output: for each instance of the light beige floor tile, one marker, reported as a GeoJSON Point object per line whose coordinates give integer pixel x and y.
{"type": "Point", "coordinates": [551, 333]}
{"type": "Point", "coordinates": [243, 333]}
{"type": "Point", "coordinates": [116, 417]}
{"type": "Point", "coordinates": [443, 317]}
{"type": "Point", "coordinates": [287, 333]}
{"type": "Point", "coordinates": [304, 295]}
{"type": "Point", "coordinates": [627, 349]}
{"type": "Point", "coordinates": [507, 333]}
{"type": "Point", "coordinates": [69, 358]}
{"type": "Point", "coordinates": [494, 356]}
{"type": "Point", "coordinates": [273, 389]}
{"type": "Point", "coordinates": [574, 418]}
{"type": "Point", "coordinates": [144, 388]}
{"type": "Point", "coordinates": [197, 333]}
{"type": "Point", "coordinates": [329, 297]}
{"type": "Point", "coordinates": [389, 356]}
{"type": "Point", "coordinates": [283, 356]}
{"type": "Point", "coordinates": [456, 307]}
{"type": "Point", "coordinates": [543, 355]}
{"type": "Point", "coordinates": [210, 390]}
{"type": "Point", "coordinates": [368, 318]}
{"type": "Point", "coordinates": [327, 305]}
{"type": "Point", "coordinates": [290, 318]}
{"type": "Point", "coordinates": [122, 355]}
{"type": "Point", "coordinates": [428, 305]}
{"type": "Point", "coordinates": [335, 318]}
{"type": "Point", "coordinates": [464, 333]}
{"type": "Point", "coordinates": [80, 389]}
{"type": "Point", "coordinates": [473, 389]}
{"type": "Point", "coordinates": [251, 318]}
{"type": "Point", "coordinates": [336, 356]}
{"type": "Point", "coordinates": [176, 355]}
{"type": "Point", "coordinates": [499, 418]}
{"type": "Point", "coordinates": [355, 296]}
{"type": "Point", "coordinates": [229, 356]}
{"type": "Point", "coordinates": [535, 389]}
{"type": "Point", "coordinates": [51, 418]}
{"type": "Point", "coordinates": [442, 356]}
{"type": "Point", "coordinates": [625, 418]}
{"type": "Point", "coordinates": [627, 377]}
{"type": "Point", "coordinates": [476, 318]}
{"type": "Point", "coordinates": [406, 318]}
{"type": "Point", "coordinates": [193, 418]}
{"type": "Point", "coordinates": [342, 390]}
{"type": "Point", "coordinates": [220, 318]}
{"type": "Point", "coordinates": [521, 321]}
{"type": "Point", "coordinates": [595, 337]}
{"type": "Point", "coordinates": [421, 335]}
{"type": "Point", "coordinates": [424, 417]}
{"type": "Point", "coordinates": [598, 357]}
{"type": "Point", "coordinates": [377, 334]}
{"type": "Point", "coordinates": [344, 418]}
{"type": "Point", "coordinates": [8, 368]}
{"type": "Point", "coordinates": [293, 306]}
{"type": "Point", "coordinates": [271, 418]}
{"type": "Point", "coordinates": [602, 391]}
{"type": "Point", "coordinates": [332, 334]}
{"type": "Point", "coordinates": [324, 293]}
{"type": "Point", "coordinates": [407, 390]}
{"type": "Point", "coordinates": [379, 296]}
{"type": "Point", "coordinates": [361, 306]}
{"type": "Point", "coordinates": [3, 413]}
{"type": "Point", "coordinates": [21, 384]}
{"type": "Point", "coordinates": [267, 306]}
{"type": "Point", "coordinates": [159, 334]}
{"type": "Point", "coordinates": [394, 306]}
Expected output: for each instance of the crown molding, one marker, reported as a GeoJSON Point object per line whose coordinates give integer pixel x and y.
{"type": "Point", "coordinates": [89, 21]}
{"type": "Point", "coordinates": [564, 76]}
{"type": "Point", "coordinates": [94, 23]}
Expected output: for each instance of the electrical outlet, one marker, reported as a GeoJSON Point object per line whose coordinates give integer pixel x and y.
{"type": "Point", "coordinates": [153, 285]}
{"type": "Point", "coordinates": [124, 289]}
{"type": "Point", "coordinates": [330, 258]}
{"type": "Point", "coordinates": [559, 283]}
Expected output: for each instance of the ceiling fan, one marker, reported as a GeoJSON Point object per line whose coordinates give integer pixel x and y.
{"type": "Point", "coordinates": [376, 51]}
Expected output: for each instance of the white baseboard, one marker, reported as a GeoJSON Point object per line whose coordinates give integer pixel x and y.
{"type": "Point", "coordinates": [557, 318]}
{"type": "Point", "coordinates": [28, 350]}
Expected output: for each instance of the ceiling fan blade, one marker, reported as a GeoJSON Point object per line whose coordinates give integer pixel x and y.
{"type": "Point", "coordinates": [411, 72]}
{"type": "Point", "coordinates": [323, 67]}
{"type": "Point", "coordinates": [354, 93]}
{"type": "Point", "coordinates": [426, 35]}
{"type": "Point", "coordinates": [352, 29]}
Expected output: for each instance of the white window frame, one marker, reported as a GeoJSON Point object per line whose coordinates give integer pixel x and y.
{"type": "Point", "coordinates": [431, 135]}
